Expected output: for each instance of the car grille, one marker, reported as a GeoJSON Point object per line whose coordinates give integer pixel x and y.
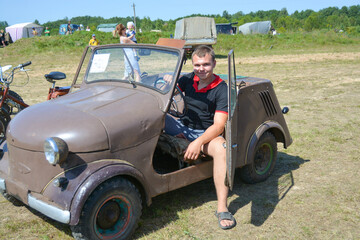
{"type": "Point", "coordinates": [268, 103]}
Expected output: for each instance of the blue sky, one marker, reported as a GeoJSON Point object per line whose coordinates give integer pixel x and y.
{"type": "Point", "coordinates": [19, 11]}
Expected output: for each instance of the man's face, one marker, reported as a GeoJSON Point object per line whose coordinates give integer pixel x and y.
{"type": "Point", "coordinates": [203, 66]}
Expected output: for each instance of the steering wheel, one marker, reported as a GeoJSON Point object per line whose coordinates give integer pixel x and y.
{"type": "Point", "coordinates": [178, 101]}
{"type": "Point", "coordinates": [159, 83]}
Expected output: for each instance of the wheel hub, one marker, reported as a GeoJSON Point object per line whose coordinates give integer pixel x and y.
{"type": "Point", "coordinates": [263, 159]}
{"type": "Point", "coordinates": [108, 215]}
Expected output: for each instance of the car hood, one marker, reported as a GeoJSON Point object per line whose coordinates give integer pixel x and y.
{"type": "Point", "coordinates": [91, 119]}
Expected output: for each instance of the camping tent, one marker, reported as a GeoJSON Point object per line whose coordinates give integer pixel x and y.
{"type": "Point", "coordinates": [23, 30]}
{"type": "Point", "coordinates": [255, 27]}
{"type": "Point", "coordinates": [107, 27]}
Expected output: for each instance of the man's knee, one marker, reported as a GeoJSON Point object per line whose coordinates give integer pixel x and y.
{"type": "Point", "coordinates": [216, 147]}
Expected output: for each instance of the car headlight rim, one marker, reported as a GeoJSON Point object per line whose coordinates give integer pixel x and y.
{"type": "Point", "coordinates": [55, 150]}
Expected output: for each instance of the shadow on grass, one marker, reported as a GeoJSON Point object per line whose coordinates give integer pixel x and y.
{"type": "Point", "coordinates": [263, 196]}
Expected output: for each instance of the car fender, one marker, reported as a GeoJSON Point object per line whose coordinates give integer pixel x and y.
{"type": "Point", "coordinates": [272, 126]}
{"type": "Point", "coordinates": [96, 178]}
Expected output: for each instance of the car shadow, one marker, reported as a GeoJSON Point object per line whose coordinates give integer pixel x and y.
{"type": "Point", "coordinates": [166, 208]}
{"type": "Point", "coordinates": [263, 196]}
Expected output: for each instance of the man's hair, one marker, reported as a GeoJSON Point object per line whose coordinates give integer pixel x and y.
{"type": "Point", "coordinates": [202, 50]}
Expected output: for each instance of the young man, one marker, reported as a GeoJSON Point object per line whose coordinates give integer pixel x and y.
{"type": "Point", "coordinates": [204, 122]}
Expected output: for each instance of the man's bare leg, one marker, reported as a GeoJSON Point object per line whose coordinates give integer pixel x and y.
{"type": "Point", "coordinates": [215, 148]}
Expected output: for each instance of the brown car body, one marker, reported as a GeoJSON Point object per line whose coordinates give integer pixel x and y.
{"type": "Point", "coordinates": [112, 129]}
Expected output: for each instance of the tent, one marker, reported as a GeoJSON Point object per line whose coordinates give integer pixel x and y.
{"type": "Point", "coordinates": [23, 30]}
{"type": "Point", "coordinates": [255, 27]}
{"type": "Point", "coordinates": [107, 27]}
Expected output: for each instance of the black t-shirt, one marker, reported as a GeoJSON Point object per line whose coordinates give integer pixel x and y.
{"type": "Point", "coordinates": [202, 104]}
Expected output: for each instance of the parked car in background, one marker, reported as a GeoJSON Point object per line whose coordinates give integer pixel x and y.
{"type": "Point", "coordinates": [226, 28]}
{"type": "Point", "coordinates": [196, 31]}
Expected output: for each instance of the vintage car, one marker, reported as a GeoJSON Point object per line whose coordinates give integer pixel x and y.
{"type": "Point", "coordinates": [95, 157]}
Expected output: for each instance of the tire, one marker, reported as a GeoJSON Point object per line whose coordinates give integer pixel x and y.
{"type": "Point", "coordinates": [262, 166]}
{"type": "Point", "coordinates": [117, 200]}
{"type": "Point", "coordinates": [3, 125]}
{"type": "Point", "coordinates": [14, 107]}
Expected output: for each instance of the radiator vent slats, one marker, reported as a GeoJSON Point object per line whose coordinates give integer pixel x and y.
{"type": "Point", "coordinates": [268, 103]}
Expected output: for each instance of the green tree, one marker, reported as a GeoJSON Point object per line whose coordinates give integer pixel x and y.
{"type": "Point", "coordinates": [312, 22]}
{"type": "Point", "coordinates": [226, 15]}
{"type": "Point", "coordinates": [221, 20]}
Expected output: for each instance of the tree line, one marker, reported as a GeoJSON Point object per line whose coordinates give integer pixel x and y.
{"type": "Point", "coordinates": [308, 20]}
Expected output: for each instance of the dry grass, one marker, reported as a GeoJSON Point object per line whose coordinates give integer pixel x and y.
{"type": "Point", "coordinates": [314, 192]}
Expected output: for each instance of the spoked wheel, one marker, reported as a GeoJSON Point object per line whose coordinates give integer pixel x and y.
{"type": "Point", "coordinates": [111, 212]}
{"type": "Point", "coordinates": [14, 106]}
{"type": "Point", "coordinates": [264, 160]}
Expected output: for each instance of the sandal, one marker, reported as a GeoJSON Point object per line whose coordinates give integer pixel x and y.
{"type": "Point", "coordinates": [225, 216]}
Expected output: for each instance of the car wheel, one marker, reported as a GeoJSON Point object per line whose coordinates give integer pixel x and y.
{"type": "Point", "coordinates": [111, 212]}
{"type": "Point", "coordinates": [264, 160]}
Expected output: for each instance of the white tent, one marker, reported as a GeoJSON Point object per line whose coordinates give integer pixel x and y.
{"type": "Point", "coordinates": [23, 30]}
{"type": "Point", "coordinates": [255, 28]}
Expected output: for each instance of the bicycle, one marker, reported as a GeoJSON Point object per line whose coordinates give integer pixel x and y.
{"type": "Point", "coordinates": [11, 103]}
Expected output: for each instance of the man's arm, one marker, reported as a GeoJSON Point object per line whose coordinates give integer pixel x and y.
{"type": "Point", "coordinates": [194, 148]}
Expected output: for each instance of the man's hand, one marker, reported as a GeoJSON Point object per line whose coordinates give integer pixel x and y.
{"type": "Point", "coordinates": [168, 78]}
{"type": "Point", "coordinates": [193, 151]}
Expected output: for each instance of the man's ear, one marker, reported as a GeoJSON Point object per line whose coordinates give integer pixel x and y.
{"type": "Point", "coordinates": [214, 63]}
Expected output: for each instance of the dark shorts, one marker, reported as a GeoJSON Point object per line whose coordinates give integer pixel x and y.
{"type": "Point", "coordinates": [175, 127]}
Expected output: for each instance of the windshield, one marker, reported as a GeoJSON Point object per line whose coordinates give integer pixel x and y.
{"type": "Point", "coordinates": [134, 65]}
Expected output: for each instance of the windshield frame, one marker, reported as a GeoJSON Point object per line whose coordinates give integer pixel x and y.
{"type": "Point", "coordinates": [90, 51]}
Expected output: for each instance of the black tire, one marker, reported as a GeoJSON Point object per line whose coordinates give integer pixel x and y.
{"type": "Point", "coordinates": [3, 125]}
{"type": "Point", "coordinates": [111, 212]}
{"type": "Point", "coordinates": [262, 166]}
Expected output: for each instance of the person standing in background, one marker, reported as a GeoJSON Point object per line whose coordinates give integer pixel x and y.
{"type": "Point", "coordinates": [34, 32]}
{"type": "Point", "coordinates": [69, 29]}
{"type": "Point", "coordinates": [93, 41]}
{"type": "Point", "coordinates": [47, 32]}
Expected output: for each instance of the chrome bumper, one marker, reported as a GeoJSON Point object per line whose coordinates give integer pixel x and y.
{"type": "Point", "coordinates": [48, 210]}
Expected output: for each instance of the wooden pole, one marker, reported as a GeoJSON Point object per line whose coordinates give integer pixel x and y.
{"type": "Point", "coordinates": [134, 16]}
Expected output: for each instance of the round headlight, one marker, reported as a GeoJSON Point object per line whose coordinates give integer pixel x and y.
{"type": "Point", "coordinates": [56, 150]}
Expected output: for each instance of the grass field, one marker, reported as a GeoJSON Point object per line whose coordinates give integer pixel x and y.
{"type": "Point", "coordinates": [314, 192]}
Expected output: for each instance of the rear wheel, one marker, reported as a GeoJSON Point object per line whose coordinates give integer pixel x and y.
{"type": "Point", "coordinates": [111, 212]}
{"type": "Point", "coordinates": [14, 106]}
{"type": "Point", "coordinates": [264, 160]}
